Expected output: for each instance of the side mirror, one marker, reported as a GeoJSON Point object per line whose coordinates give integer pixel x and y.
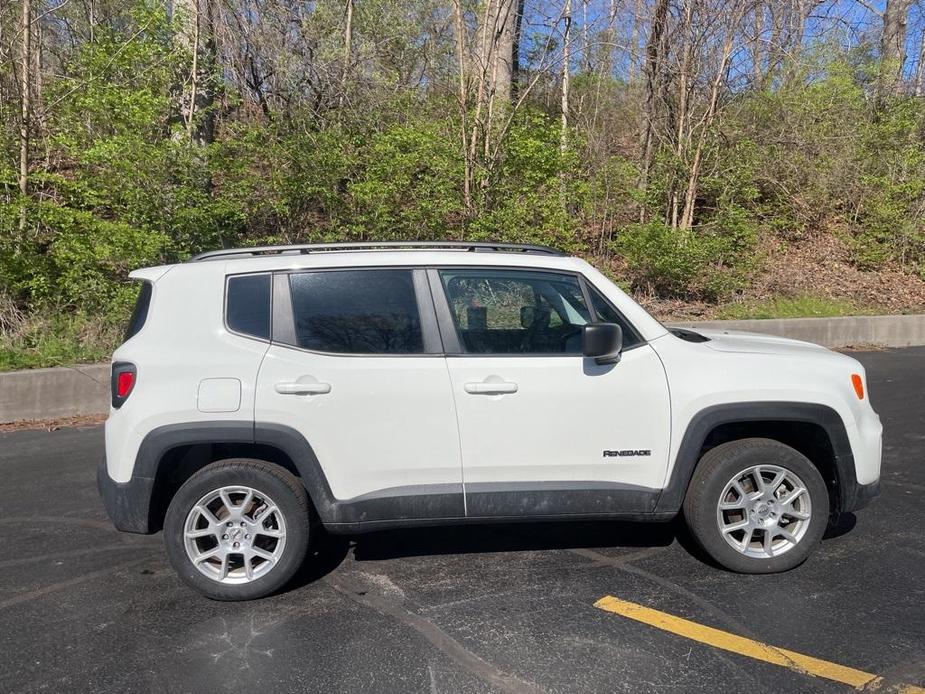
{"type": "Point", "coordinates": [603, 341]}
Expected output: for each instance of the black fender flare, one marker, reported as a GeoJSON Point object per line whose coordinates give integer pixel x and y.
{"type": "Point", "coordinates": [130, 504]}
{"type": "Point", "coordinates": [160, 441]}
{"type": "Point", "coordinates": [708, 419]}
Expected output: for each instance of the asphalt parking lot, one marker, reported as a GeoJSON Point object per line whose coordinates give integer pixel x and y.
{"type": "Point", "coordinates": [480, 609]}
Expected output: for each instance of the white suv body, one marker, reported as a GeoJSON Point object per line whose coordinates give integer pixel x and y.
{"type": "Point", "coordinates": [449, 383]}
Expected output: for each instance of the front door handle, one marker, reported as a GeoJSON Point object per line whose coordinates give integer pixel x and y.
{"type": "Point", "coordinates": [297, 388]}
{"type": "Point", "coordinates": [489, 388]}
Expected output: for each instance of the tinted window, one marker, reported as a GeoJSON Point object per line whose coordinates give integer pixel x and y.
{"type": "Point", "coordinates": [140, 312]}
{"type": "Point", "coordinates": [356, 312]}
{"type": "Point", "coordinates": [608, 314]}
{"type": "Point", "coordinates": [249, 305]}
{"type": "Point", "coordinates": [511, 311]}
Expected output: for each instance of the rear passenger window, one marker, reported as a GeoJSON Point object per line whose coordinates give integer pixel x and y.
{"type": "Point", "coordinates": [356, 312]}
{"type": "Point", "coordinates": [248, 305]}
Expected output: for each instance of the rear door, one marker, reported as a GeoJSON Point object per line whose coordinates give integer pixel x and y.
{"type": "Point", "coordinates": [544, 430]}
{"type": "Point", "coordinates": [356, 367]}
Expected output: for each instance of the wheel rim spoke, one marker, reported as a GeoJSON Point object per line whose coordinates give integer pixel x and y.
{"type": "Point", "coordinates": [737, 526]}
{"type": "Point", "coordinates": [758, 523]}
{"type": "Point", "coordinates": [233, 547]}
{"type": "Point", "coordinates": [767, 542]}
{"type": "Point", "coordinates": [792, 496]}
{"type": "Point", "coordinates": [207, 514]}
{"type": "Point", "coordinates": [257, 552]}
{"type": "Point", "coordinates": [776, 482]}
{"type": "Point", "coordinates": [799, 515]}
{"type": "Point", "coordinates": [226, 500]}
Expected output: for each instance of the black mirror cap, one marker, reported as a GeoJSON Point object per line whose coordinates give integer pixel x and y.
{"type": "Point", "coordinates": [603, 341]}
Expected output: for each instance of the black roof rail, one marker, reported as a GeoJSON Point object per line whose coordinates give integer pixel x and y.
{"type": "Point", "coordinates": [474, 247]}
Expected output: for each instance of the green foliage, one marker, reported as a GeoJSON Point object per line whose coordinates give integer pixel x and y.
{"type": "Point", "coordinates": [405, 186]}
{"type": "Point", "coordinates": [804, 306]}
{"type": "Point", "coordinates": [117, 184]}
{"type": "Point", "coordinates": [58, 340]}
{"type": "Point", "coordinates": [693, 263]}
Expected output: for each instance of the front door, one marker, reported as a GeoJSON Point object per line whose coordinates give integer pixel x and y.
{"type": "Point", "coordinates": [357, 368]}
{"type": "Point", "coordinates": [544, 430]}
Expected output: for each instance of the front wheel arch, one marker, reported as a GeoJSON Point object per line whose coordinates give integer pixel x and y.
{"type": "Point", "coordinates": [833, 458]}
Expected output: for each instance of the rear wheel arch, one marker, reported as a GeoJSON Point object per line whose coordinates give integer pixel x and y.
{"type": "Point", "coordinates": [171, 454]}
{"type": "Point", "coordinates": [814, 430]}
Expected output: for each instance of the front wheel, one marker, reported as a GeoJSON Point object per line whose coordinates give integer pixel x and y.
{"type": "Point", "coordinates": [757, 506]}
{"type": "Point", "coordinates": [238, 529]}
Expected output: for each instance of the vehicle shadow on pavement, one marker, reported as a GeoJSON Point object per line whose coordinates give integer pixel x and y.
{"type": "Point", "coordinates": [845, 524]}
{"type": "Point", "coordinates": [329, 551]}
{"type": "Point", "coordinates": [511, 537]}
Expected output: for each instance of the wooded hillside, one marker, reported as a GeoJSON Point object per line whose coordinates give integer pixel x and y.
{"type": "Point", "coordinates": [704, 151]}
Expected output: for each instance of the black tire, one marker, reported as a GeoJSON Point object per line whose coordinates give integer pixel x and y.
{"type": "Point", "coordinates": [716, 469]}
{"type": "Point", "coordinates": [286, 492]}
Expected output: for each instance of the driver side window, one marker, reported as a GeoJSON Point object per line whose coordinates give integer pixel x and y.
{"type": "Point", "coordinates": [515, 311]}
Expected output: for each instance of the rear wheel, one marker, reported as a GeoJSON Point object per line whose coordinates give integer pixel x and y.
{"type": "Point", "coordinates": [757, 506]}
{"type": "Point", "coordinates": [238, 529]}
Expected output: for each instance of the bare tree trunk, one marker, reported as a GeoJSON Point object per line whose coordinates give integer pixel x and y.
{"type": "Point", "coordinates": [348, 52]}
{"type": "Point", "coordinates": [25, 93]}
{"type": "Point", "coordinates": [683, 89]}
{"type": "Point", "coordinates": [460, 31]}
{"type": "Point", "coordinates": [610, 41]}
{"type": "Point", "coordinates": [920, 70]}
{"type": "Point", "coordinates": [503, 71]}
{"type": "Point", "coordinates": [892, 47]}
{"type": "Point", "coordinates": [687, 218]}
{"type": "Point", "coordinates": [566, 59]}
{"type": "Point", "coordinates": [586, 56]}
{"type": "Point", "coordinates": [198, 37]}
{"type": "Point", "coordinates": [484, 59]}
{"type": "Point", "coordinates": [756, 48]}
{"type": "Point", "coordinates": [515, 52]}
{"type": "Point", "coordinates": [634, 37]}
{"type": "Point", "coordinates": [654, 55]}
{"type": "Point", "coordinates": [194, 73]}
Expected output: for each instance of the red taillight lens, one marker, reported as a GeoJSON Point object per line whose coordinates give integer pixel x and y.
{"type": "Point", "coordinates": [124, 376]}
{"type": "Point", "coordinates": [125, 381]}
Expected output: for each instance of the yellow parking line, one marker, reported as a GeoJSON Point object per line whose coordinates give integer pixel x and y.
{"type": "Point", "coordinates": [753, 649]}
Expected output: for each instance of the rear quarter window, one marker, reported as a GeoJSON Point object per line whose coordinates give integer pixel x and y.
{"type": "Point", "coordinates": [140, 312]}
{"type": "Point", "coordinates": [247, 306]}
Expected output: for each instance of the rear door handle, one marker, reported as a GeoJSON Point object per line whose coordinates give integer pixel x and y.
{"type": "Point", "coordinates": [297, 388]}
{"type": "Point", "coordinates": [489, 388]}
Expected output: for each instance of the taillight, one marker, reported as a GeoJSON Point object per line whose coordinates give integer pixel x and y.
{"type": "Point", "coordinates": [124, 376]}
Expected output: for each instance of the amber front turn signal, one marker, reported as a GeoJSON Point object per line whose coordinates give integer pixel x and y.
{"type": "Point", "coordinates": [858, 384]}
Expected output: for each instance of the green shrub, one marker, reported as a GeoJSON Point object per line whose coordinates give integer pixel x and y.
{"type": "Point", "coordinates": [704, 264]}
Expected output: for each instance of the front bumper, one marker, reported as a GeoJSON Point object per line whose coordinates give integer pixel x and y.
{"type": "Point", "coordinates": [127, 504]}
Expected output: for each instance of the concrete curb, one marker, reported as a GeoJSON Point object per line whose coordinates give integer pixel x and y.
{"type": "Point", "coordinates": [54, 393]}
{"type": "Point", "coordinates": [84, 390]}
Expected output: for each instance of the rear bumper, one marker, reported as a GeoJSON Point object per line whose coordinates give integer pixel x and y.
{"type": "Point", "coordinates": [126, 503]}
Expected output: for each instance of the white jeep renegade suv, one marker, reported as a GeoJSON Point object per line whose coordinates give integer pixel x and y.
{"type": "Point", "coordinates": [361, 386]}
